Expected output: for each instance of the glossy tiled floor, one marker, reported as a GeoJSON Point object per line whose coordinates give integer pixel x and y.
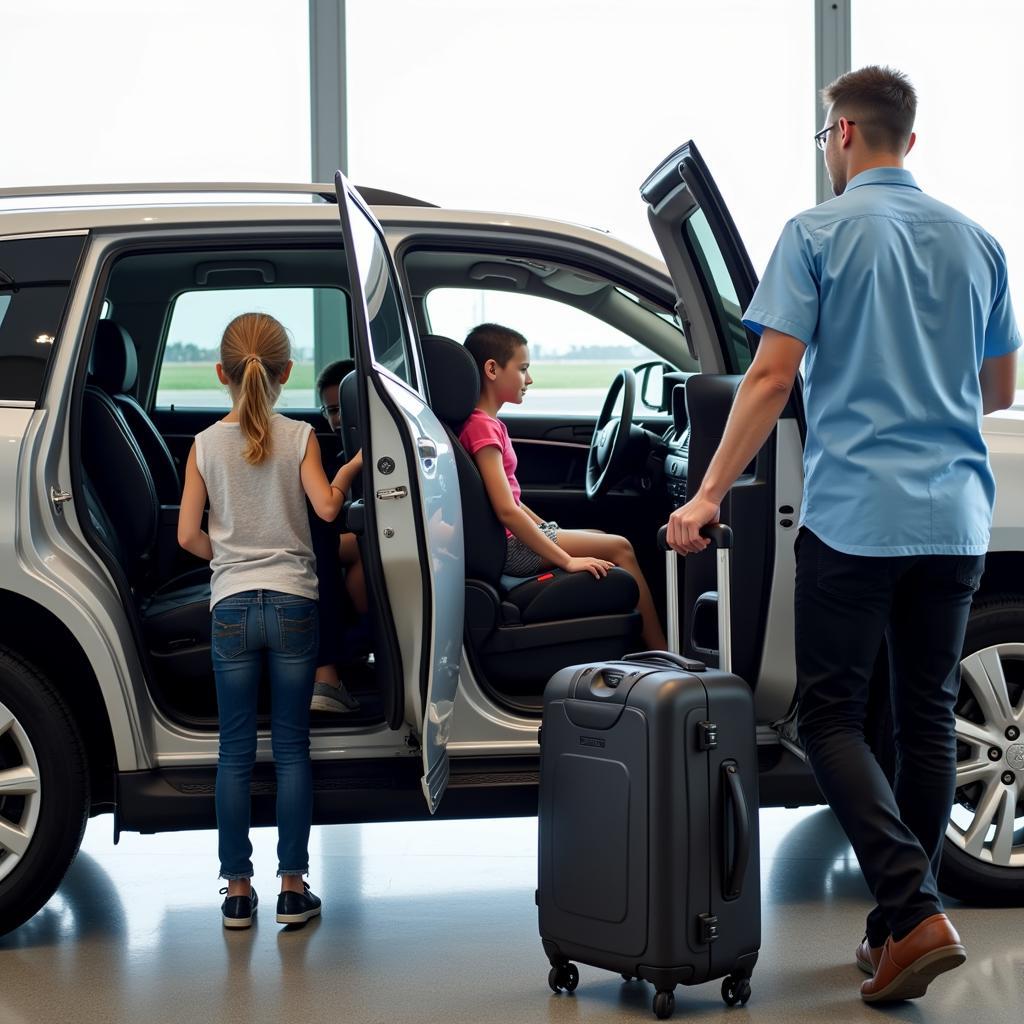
{"type": "Point", "coordinates": [435, 922]}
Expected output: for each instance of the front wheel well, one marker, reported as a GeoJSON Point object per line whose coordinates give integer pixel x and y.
{"type": "Point", "coordinates": [1004, 575]}
{"type": "Point", "coordinates": [37, 636]}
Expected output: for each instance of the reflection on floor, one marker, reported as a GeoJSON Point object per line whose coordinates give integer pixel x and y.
{"type": "Point", "coordinates": [435, 921]}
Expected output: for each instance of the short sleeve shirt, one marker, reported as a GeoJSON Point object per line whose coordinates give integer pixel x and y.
{"type": "Point", "coordinates": [482, 431]}
{"type": "Point", "coordinates": [898, 298]}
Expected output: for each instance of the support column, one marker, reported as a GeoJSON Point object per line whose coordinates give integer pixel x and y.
{"type": "Point", "coordinates": [832, 57]}
{"type": "Point", "coordinates": [329, 139]}
{"type": "Point", "coordinates": [327, 105]}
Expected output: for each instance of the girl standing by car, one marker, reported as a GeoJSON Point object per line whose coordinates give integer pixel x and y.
{"type": "Point", "coordinates": [254, 466]}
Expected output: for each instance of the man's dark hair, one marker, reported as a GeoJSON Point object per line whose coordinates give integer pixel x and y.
{"type": "Point", "coordinates": [882, 102]}
{"type": "Point", "coordinates": [492, 341]}
{"type": "Point", "coordinates": [333, 374]}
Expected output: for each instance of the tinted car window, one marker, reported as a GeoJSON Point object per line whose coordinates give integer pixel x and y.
{"type": "Point", "coordinates": [387, 331]}
{"type": "Point", "coordinates": [724, 300]}
{"type": "Point", "coordinates": [35, 279]}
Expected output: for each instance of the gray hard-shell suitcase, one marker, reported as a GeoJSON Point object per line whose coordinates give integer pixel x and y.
{"type": "Point", "coordinates": [648, 839]}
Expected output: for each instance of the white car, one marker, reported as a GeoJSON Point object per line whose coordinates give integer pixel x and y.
{"type": "Point", "coordinates": [106, 694]}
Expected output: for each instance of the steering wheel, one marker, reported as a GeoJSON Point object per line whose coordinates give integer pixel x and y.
{"type": "Point", "coordinates": [607, 458]}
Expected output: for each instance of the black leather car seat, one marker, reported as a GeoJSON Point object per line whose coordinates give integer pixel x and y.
{"type": "Point", "coordinates": [122, 506]}
{"type": "Point", "coordinates": [113, 367]}
{"type": "Point", "coordinates": [521, 630]}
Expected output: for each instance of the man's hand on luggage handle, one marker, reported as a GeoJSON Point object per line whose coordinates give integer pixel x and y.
{"type": "Point", "coordinates": [683, 534]}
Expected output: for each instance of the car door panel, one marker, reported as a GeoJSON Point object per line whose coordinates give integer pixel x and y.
{"type": "Point", "coordinates": [552, 469]}
{"type": "Point", "coordinates": [714, 282]}
{"type": "Point", "coordinates": [413, 544]}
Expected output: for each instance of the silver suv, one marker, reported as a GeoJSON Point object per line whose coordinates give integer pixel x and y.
{"type": "Point", "coordinates": [112, 300]}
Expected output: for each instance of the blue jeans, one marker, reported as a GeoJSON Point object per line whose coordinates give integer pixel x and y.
{"type": "Point", "coordinates": [249, 630]}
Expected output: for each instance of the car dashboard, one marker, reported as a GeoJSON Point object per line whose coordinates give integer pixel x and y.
{"type": "Point", "coordinates": [677, 439]}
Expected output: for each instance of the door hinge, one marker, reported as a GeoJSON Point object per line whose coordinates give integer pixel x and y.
{"type": "Point", "coordinates": [707, 735]}
{"type": "Point", "coordinates": [708, 927]}
{"type": "Point", "coordinates": [58, 498]}
{"type": "Point", "coordinates": [392, 493]}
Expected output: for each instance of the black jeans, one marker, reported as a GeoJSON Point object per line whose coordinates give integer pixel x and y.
{"type": "Point", "coordinates": [845, 606]}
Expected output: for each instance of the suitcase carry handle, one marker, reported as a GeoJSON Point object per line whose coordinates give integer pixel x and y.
{"type": "Point", "coordinates": [669, 658]}
{"type": "Point", "coordinates": [735, 872]}
{"type": "Point", "coordinates": [720, 536]}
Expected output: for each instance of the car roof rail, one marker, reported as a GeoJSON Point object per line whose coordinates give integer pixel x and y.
{"type": "Point", "coordinates": [324, 191]}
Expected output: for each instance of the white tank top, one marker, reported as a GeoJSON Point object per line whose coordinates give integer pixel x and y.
{"type": "Point", "coordinates": [258, 523]}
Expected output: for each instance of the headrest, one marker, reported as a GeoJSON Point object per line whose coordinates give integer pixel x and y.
{"type": "Point", "coordinates": [348, 400]}
{"type": "Point", "coordinates": [113, 365]}
{"type": "Point", "coordinates": [452, 378]}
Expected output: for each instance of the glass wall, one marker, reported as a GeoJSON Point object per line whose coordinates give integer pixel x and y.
{"type": "Point", "coordinates": [562, 109]}
{"type": "Point", "coordinates": [132, 90]}
{"type": "Point", "coordinates": [964, 61]}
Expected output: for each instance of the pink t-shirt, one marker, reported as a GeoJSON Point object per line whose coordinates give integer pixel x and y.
{"type": "Point", "coordinates": [480, 431]}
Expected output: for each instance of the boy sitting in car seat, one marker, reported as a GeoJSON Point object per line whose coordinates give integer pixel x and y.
{"type": "Point", "coordinates": [334, 551]}
{"type": "Point", "coordinates": [533, 544]}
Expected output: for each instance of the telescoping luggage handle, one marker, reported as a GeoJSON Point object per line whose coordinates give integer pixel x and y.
{"type": "Point", "coordinates": [721, 536]}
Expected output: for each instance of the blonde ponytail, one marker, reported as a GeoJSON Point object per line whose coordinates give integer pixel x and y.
{"type": "Point", "coordinates": [254, 353]}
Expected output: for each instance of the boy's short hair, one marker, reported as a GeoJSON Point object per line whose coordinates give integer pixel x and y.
{"type": "Point", "coordinates": [880, 100]}
{"type": "Point", "coordinates": [492, 341]}
{"type": "Point", "coordinates": [333, 374]}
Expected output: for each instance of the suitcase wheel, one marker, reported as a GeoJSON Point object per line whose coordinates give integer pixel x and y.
{"type": "Point", "coordinates": [735, 990]}
{"type": "Point", "coordinates": [564, 977]}
{"type": "Point", "coordinates": [664, 1004]}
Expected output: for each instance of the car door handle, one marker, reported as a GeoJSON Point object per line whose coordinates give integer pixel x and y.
{"type": "Point", "coordinates": [392, 493]}
{"type": "Point", "coordinates": [426, 448]}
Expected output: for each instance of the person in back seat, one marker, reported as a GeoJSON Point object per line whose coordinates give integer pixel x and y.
{"type": "Point", "coordinates": [334, 550]}
{"type": "Point", "coordinates": [254, 466]}
{"type": "Point", "coordinates": [503, 359]}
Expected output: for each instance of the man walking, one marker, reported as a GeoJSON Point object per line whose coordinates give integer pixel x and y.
{"type": "Point", "coordinates": [900, 306]}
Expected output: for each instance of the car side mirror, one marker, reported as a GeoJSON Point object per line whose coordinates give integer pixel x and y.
{"type": "Point", "coordinates": [652, 386]}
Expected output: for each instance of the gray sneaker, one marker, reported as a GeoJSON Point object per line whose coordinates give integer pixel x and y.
{"type": "Point", "coordinates": [332, 698]}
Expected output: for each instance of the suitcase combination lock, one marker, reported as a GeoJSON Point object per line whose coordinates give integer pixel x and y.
{"type": "Point", "coordinates": [708, 924]}
{"type": "Point", "coordinates": [707, 735]}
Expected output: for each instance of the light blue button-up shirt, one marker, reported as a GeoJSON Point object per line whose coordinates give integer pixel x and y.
{"type": "Point", "coordinates": [898, 299]}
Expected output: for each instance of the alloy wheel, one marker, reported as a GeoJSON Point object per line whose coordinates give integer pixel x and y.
{"type": "Point", "coordinates": [20, 791]}
{"type": "Point", "coordinates": [987, 821]}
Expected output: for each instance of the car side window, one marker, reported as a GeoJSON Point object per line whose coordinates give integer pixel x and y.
{"type": "Point", "coordinates": [574, 356]}
{"type": "Point", "coordinates": [388, 335]}
{"type": "Point", "coordinates": [35, 281]}
{"type": "Point", "coordinates": [317, 320]}
{"type": "Point", "coordinates": [725, 303]}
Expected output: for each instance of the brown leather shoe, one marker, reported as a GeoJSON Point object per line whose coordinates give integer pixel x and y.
{"type": "Point", "coordinates": [908, 967]}
{"type": "Point", "coordinates": [868, 956]}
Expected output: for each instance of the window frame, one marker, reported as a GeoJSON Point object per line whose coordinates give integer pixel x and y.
{"type": "Point", "coordinates": [288, 237]}
{"type": "Point", "coordinates": [650, 284]}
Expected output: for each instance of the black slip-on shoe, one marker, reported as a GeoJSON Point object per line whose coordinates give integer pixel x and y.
{"type": "Point", "coordinates": [297, 907]}
{"type": "Point", "coordinates": [238, 911]}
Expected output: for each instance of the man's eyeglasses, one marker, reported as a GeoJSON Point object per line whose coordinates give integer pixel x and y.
{"type": "Point", "coordinates": [330, 410]}
{"type": "Point", "coordinates": [821, 138]}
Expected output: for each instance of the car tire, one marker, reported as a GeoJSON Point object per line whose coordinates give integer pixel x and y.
{"type": "Point", "coordinates": [996, 621]}
{"type": "Point", "coordinates": [44, 790]}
